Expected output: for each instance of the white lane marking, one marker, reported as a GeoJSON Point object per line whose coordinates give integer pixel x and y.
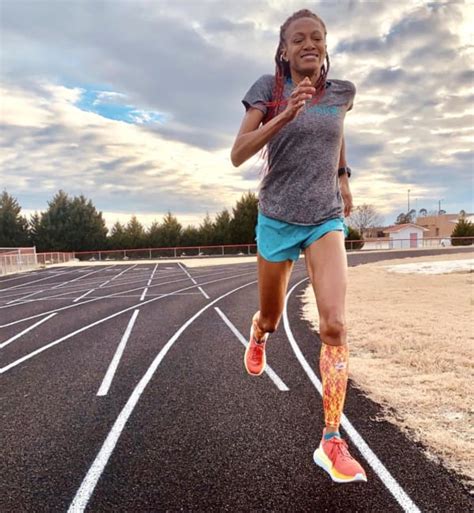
{"type": "Point", "coordinates": [24, 297]}
{"type": "Point", "coordinates": [100, 321]}
{"type": "Point", "coordinates": [105, 283]}
{"type": "Point", "coordinates": [192, 279]}
{"type": "Point", "coordinates": [109, 376]}
{"type": "Point", "coordinates": [107, 296]}
{"type": "Point", "coordinates": [80, 277]}
{"type": "Point", "coordinates": [224, 271]}
{"type": "Point", "coordinates": [83, 295]}
{"type": "Point", "coordinates": [120, 274]}
{"type": "Point", "coordinates": [271, 373]}
{"type": "Point", "coordinates": [387, 479]}
{"type": "Point", "coordinates": [152, 274]}
{"type": "Point", "coordinates": [10, 340]}
{"type": "Point", "coordinates": [145, 290]}
{"type": "Point", "coordinates": [86, 489]}
{"type": "Point", "coordinates": [36, 281]}
{"type": "Point", "coordinates": [203, 292]}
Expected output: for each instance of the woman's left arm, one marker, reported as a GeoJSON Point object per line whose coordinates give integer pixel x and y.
{"type": "Point", "coordinates": [344, 182]}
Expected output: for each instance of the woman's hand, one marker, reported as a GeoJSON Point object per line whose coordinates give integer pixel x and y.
{"type": "Point", "coordinates": [296, 101]}
{"type": "Point", "coordinates": [346, 194]}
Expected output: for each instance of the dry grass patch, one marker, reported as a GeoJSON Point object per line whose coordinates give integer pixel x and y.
{"type": "Point", "coordinates": [412, 349]}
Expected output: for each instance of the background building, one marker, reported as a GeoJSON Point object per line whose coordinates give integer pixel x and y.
{"type": "Point", "coordinates": [403, 236]}
{"type": "Point", "coordinates": [440, 226]}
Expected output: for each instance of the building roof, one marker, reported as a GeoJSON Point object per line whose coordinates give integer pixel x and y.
{"type": "Point", "coordinates": [399, 227]}
{"type": "Point", "coordinates": [469, 218]}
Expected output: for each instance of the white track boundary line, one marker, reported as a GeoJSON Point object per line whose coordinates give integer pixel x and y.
{"type": "Point", "coordinates": [12, 339]}
{"type": "Point", "coordinates": [377, 466]}
{"type": "Point", "coordinates": [83, 295]}
{"type": "Point", "coordinates": [100, 321]}
{"type": "Point", "coordinates": [107, 296]}
{"type": "Point", "coordinates": [24, 297]}
{"type": "Point", "coordinates": [92, 477]}
{"type": "Point", "coordinates": [36, 281]}
{"type": "Point", "coordinates": [193, 280]}
{"type": "Point", "coordinates": [109, 376]}
{"type": "Point", "coordinates": [80, 277]}
{"type": "Point", "coordinates": [271, 373]}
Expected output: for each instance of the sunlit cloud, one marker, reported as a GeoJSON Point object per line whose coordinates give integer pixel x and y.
{"type": "Point", "coordinates": [142, 121]}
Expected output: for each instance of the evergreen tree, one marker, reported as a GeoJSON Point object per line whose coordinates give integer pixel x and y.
{"type": "Point", "coordinates": [354, 235]}
{"type": "Point", "coordinates": [86, 227]}
{"type": "Point", "coordinates": [244, 219]}
{"type": "Point", "coordinates": [463, 228]}
{"type": "Point", "coordinates": [69, 225]}
{"type": "Point", "coordinates": [54, 224]}
{"type": "Point", "coordinates": [35, 229]}
{"type": "Point", "coordinates": [154, 236]}
{"type": "Point", "coordinates": [117, 236]}
{"type": "Point", "coordinates": [222, 228]}
{"type": "Point", "coordinates": [206, 231]}
{"type": "Point", "coordinates": [134, 234]}
{"type": "Point", "coordinates": [190, 237]}
{"type": "Point", "coordinates": [171, 231]}
{"type": "Point", "coordinates": [13, 226]}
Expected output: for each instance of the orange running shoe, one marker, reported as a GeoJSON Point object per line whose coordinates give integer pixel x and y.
{"type": "Point", "coordinates": [255, 359]}
{"type": "Point", "coordinates": [333, 456]}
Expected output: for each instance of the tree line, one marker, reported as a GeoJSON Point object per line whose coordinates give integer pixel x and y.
{"type": "Point", "coordinates": [74, 224]}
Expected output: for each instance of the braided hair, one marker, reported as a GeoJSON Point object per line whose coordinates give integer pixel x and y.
{"type": "Point", "coordinates": [283, 73]}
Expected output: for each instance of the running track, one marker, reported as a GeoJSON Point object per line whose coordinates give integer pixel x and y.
{"type": "Point", "coordinates": [122, 389]}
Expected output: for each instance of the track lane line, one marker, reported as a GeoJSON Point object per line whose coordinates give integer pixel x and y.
{"type": "Point", "coordinates": [36, 281]}
{"type": "Point", "coordinates": [100, 321]}
{"type": "Point", "coordinates": [109, 376]}
{"type": "Point", "coordinates": [92, 477]}
{"type": "Point", "coordinates": [12, 323]}
{"type": "Point", "coordinates": [12, 339]}
{"type": "Point", "coordinates": [271, 373]}
{"type": "Point", "coordinates": [377, 466]}
{"type": "Point", "coordinates": [193, 280]}
{"type": "Point", "coordinates": [81, 277]}
{"type": "Point", "coordinates": [66, 293]}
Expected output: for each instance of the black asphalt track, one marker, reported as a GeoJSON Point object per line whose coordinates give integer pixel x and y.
{"type": "Point", "coordinates": [203, 435]}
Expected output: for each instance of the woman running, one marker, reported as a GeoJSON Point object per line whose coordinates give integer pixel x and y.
{"type": "Point", "coordinates": [299, 114]}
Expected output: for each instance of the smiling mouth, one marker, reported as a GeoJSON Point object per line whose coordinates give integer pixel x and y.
{"type": "Point", "coordinates": [309, 55]}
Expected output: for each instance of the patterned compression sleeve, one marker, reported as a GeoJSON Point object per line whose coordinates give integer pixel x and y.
{"type": "Point", "coordinates": [333, 364]}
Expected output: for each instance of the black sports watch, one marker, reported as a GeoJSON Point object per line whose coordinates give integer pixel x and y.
{"type": "Point", "coordinates": [345, 169]}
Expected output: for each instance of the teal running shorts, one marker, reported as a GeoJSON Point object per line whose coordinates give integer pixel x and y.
{"type": "Point", "coordinates": [278, 241]}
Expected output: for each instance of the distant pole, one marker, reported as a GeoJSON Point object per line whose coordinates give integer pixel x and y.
{"type": "Point", "coordinates": [439, 207]}
{"type": "Point", "coordinates": [408, 201]}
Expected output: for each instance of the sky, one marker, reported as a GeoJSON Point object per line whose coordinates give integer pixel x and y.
{"type": "Point", "coordinates": [136, 104]}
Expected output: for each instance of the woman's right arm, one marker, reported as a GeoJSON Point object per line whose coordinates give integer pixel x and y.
{"type": "Point", "coordinates": [252, 137]}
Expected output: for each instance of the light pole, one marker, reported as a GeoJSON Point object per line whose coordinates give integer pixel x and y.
{"type": "Point", "coordinates": [408, 201]}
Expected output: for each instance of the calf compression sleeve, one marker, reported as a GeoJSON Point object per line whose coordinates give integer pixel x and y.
{"type": "Point", "coordinates": [333, 364]}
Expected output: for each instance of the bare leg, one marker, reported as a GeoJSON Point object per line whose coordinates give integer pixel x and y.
{"type": "Point", "coordinates": [326, 262]}
{"type": "Point", "coordinates": [273, 278]}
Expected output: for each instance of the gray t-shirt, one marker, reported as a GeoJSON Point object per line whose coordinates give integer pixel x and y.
{"type": "Point", "coordinates": [302, 186]}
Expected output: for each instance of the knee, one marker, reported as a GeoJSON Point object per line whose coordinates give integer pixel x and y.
{"type": "Point", "coordinates": [333, 330]}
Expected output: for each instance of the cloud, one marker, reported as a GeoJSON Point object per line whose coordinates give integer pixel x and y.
{"type": "Point", "coordinates": [137, 104]}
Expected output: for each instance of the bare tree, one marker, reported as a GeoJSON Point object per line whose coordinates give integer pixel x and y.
{"type": "Point", "coordinates": [365, 216]}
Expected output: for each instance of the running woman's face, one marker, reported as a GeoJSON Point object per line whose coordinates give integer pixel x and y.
{"type": "Point", "coordinates": [305, 46]}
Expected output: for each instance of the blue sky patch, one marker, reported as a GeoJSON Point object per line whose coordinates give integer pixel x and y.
{"type": "Point", "coordinates": [112, 105]}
